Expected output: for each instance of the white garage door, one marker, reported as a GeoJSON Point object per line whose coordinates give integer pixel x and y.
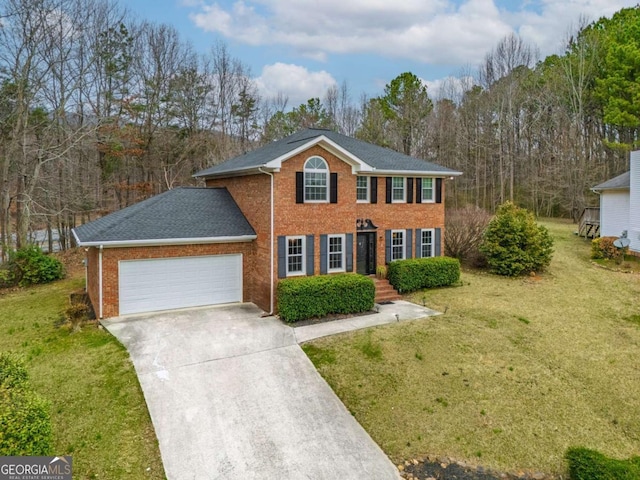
{"type": "Point", "coordinates": [167, 283]}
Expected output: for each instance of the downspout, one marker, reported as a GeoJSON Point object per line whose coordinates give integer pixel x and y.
{"type": "Point", "coordinates": [271, 251]}
{"type": "Point", "coordinates": [100, 280]}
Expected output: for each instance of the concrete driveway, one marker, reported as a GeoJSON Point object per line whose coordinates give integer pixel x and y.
{"type": "Point", "coordinates": [233, 396]}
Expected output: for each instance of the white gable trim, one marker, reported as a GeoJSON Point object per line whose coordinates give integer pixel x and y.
{"type": "Point", "coordinates": [357, 165]}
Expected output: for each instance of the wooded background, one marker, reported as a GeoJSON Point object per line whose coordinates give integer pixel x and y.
{"type": "Point", "coordinates": [98, 111]}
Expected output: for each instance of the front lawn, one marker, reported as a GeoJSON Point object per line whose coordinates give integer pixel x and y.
{"type": "Point", "coordinates": [98, 411]}
{"type": "Point", "coordinates": [513, 374]}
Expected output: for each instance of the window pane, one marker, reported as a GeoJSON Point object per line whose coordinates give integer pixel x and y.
{"type": "Point", "coordinates": [294, 255]}
{"type": "Point", "coordinates": [397, 245]}
{"type": "Point", "coordinates": [315, 163]}
{"type": "Point", "coordinates": [335, 253]}
{"type": "Point", "coordinates": [315, 179]}
{"type": "Point", "coordinates": [362, 187]}
{"type": "Point", "coordinates": [427, 243]}
{"type": "Point", "coordinates": [427, 189]}
{"type": "Point", "coordinates": [398, 188]}
{"type": "Point", "coordinates": [315, 186]}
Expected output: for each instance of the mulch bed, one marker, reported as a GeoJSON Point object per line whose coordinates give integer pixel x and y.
{"type": "Point", "coordinates": [445, 469]}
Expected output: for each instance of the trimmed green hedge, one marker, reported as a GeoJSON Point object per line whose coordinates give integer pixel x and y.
{"type": "Point", "coordinates": [311, 297]}
{"type": "Point", "coordinates": [24, 415]}
{"type": "Point", "coordinates": [415, 274]}
{"type": "Point", "coordinates": [586, 464]}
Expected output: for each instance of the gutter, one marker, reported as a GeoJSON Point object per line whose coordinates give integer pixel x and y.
{"type": "Point", "coordinates": [100, 281]}
{"type": "Point", "coordinates": [166, 241]}
{"type": "Point", "coordinates": [271, 250]}
{"type": "Point", "coordinates": [413, 173]}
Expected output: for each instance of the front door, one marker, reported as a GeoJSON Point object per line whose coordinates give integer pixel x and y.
{"type": "Point", "coordinates": [366, 253]}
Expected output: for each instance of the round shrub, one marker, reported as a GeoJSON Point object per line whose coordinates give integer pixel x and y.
{"type": "Point", "coordinates": [514, 243]}
{"type": "Point", "coordinates": [24, 415]}
{"type": "Point", "coordinates": [13, 373]}
{"type": "Point", "coordinates": [34, 266]}
{"type": "Point", "coordinates": [603, 247]}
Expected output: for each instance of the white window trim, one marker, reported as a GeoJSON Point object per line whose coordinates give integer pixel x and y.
{"type": "Point", "coordinates": [314, 170]}
{"type": "Point", "coordinates": [404, 244]}
{"type": "Point", "coordinates": [433, 191]}
{"type": "Point", "coordinates": [343, 253]}
{"type": "Point", "coordinates": [404, 190]}
{"type": "Point", "coordinates": [304, 255]}
{"type": "Point", "coordinates": [433, 241]}
{"type": "Point", "coordinates": [368, 199]}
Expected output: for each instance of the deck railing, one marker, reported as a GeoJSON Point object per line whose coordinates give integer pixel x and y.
{"type": "Point", "coordinates": [589, 222]}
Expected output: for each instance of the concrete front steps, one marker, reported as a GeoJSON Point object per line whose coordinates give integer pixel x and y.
{"type": "Point", "coordinates": [384, 291]}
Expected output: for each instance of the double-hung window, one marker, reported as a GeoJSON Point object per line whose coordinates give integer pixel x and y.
{"type": "Point", "coordinates": [295, 256]}
{"type": "Point", "coordinates": [362, 189]}
{"type": "Point", "coordinates": [427, 190]}
{"type": "Point", "coordinates": [335, 255]}
{"type": "Point", "coordinates": [316, 180]}
{"type": "Point", "coordinates": [426, 243]}
{"type": "Point", "coordinates": [397, 245]}
{"type": "Point", "coordinates": [398, 189]}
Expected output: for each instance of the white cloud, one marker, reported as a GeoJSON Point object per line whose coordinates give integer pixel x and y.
{"type": "Point", "coordinates": [298, 83]}
{"type": "Point", "coordinates": [548, 29]}
{"type": "Point", "coordinates": [439, 32]}
{"type": "Point", "coordinates": [434, 31]}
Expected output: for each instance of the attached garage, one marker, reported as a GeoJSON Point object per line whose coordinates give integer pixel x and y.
{"type": "Point", "coordinates": [169, 283]}
{"type": "Point", "coordinates": [187, 247]}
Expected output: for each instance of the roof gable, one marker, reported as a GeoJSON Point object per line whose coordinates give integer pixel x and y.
{"type": "Point", "coordinates": [178, 215]}
{"type": "Point", "coordinates": [357, 165]}
{"type": "Point", "coordinates": [621, 182]}
{"type": "Point", "coordinates": [362, 156]}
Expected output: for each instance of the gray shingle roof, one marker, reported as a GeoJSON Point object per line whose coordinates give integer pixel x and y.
{"type": "Point", "coordinates": [380, 158]}
{"type": "Point", "coordinates": [619, 182]}
{"type": "Point", "coordinates": [187, 212]}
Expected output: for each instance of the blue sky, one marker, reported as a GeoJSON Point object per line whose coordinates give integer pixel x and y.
{"type": "Point", "coordinates": [302, 47]}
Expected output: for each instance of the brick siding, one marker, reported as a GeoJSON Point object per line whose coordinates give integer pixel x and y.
{"type": "Point", "coordinates": [252, 194]}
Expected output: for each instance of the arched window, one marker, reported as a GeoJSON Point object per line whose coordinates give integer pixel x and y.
{"type": "Point", "coordinates": [316, 180]}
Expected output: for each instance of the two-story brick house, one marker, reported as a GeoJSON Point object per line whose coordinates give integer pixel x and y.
{"type": "Point", "coordinates": [313, 203]}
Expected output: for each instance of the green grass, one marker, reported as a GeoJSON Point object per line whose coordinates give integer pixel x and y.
{"type": "Point", "coordinates": [98, 411]}
{"type": "Point", "coordinates": [514, 373]}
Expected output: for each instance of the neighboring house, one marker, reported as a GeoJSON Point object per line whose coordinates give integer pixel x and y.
{"type": "Point", "coordinates": [315, 202]}
{"type": "Point", "coordinates": [620, 204]}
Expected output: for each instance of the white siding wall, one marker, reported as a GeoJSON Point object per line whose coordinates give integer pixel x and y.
{"type": "Point", "coordinates": [634, 202]}
{"type": "Point", "coordinates": [614, 212]}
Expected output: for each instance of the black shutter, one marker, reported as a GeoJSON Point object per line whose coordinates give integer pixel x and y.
{"type": "Point", "coordinates": [374, 189]}
{"type": "Point", "coordinates": [349, 252]}
{"type": "Point", "coordinates": [310, 254]}
{"type": "Point", "coordinates": [282, 257]}
{"type": "Point", "coordinates": [418, 190]}
{"type": "Point", "coordinates": [438, 190]}
{"type": "Point", "coordinates": [333, 188]}
{"type": "Point", "coordinates": [409, 244]}
{"type": "Point", "coordinates": [410, 190]}
{"type": "Point", "coordinates": [299, 187]}
{"type": "Point", "coordinates": [418, 242]}
{"type": "Point", "coordinates": [324, 264]}
{"type": "Point", "coordinates": [438, 250]}
{"type": "Point", "coordinates": [389, 183]}
{"type": "Point", "coordinates": [387, 246]}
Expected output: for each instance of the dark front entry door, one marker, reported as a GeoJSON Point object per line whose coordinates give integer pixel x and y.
{"type": "Point", "coordinates": [366, 253]}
